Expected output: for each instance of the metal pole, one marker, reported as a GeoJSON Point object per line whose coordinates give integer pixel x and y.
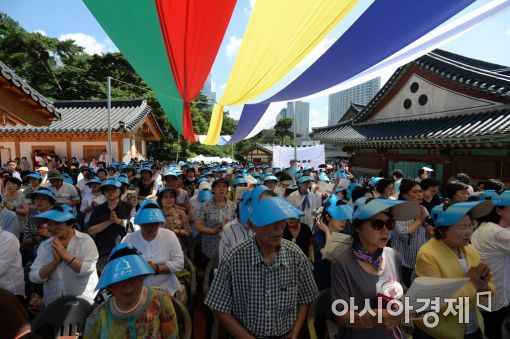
{"type": "Point", "coordinates": [109, 93]}
{"type": "Point", "coordinates": [295, 127]}
{"type": "Point", "coordinates": [178, 145]}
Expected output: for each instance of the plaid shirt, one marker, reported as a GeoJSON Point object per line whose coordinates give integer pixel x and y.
{"type": "Point", "coordinates": [264, 299]}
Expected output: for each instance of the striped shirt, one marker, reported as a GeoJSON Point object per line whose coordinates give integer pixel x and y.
{"type": "Point", "coordinates": [264, 299]}
{"type": "Point", "coordinates": [408, 245]}
{"type": "Point", "coordinates": [233, 234]}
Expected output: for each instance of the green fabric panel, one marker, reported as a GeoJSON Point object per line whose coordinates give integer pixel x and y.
{"type": "Point", "coordinates": [133, 25]}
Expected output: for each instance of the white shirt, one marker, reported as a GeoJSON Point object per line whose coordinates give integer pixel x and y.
{"type": "Point", "coordinates": [493, 243]}
{"type": "Point", "coordinates": [66, 194]}
{"type": "Point", "coordinates": [11, 271]}
{"type": "Point", "coordinates": [233, 234]}
{"type": "Point", "coordinates": [296, 199]}
{"type": "Point", "coordinates": [64, 280]}
{"type": "Point", "coordinates": [166, 249]}
{"type": "Point", "coordinates": [87, 202]}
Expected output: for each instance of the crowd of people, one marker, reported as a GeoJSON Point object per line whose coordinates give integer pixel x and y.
{"type": "Point", "coordinates": [281, 236]}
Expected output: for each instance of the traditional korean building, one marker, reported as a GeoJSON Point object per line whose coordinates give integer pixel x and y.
{"type": "Point", "coordinates": [443, 110]}
{"type": "Point", "coordinates": [259, 154]}
{"type": "Point", "coordinates": [82, 131]}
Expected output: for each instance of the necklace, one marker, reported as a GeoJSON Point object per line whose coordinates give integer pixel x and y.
{"type": "Point", "coordinates": [131, 309]}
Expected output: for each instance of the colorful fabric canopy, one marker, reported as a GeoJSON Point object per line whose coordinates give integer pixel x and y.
{"type": "Point", "coordinates": [279, 35]}
{"type": "Point", "coordinates": [170, 43]}
{"type": "Point", "coordinates": [427, 43]}
{"type": "Point", "coordinates": [382, 30]}
{"type": "Point", "coordinates": [192, 43]}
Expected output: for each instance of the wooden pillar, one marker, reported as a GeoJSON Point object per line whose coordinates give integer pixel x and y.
{"type": "Point", "coordinates": [17, 149]}
{"type": "Point", "coordinates": [68, 148]}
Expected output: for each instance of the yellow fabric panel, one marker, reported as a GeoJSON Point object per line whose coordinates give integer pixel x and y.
{"type": "Point", "coordinates": [278, 36]}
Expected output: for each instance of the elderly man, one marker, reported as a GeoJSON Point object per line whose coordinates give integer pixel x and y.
{"type": "Point", "coordinates": [264, 285]}
{"type": "Point", "coordinates": [11, 168]}
{"type": "Point", "coordinates": [64, 193]}
{"type": "Point", "coordinates": [304, 200]}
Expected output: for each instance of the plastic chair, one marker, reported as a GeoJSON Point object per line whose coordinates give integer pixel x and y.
{"type": "Point", "coordinates": [183, 319]}
{"type": "Point", "coordinates": [319, 314]}
{"type": "Point", "coordinates": [192, 288]}
{"type": "Point", "coordinates": [505, 328]}
{"type": "Point", "coordinates": [101, 263]}
{"type": "Point", "coordinates": [209, 273]}
{"type": "Point", "coordinates": [64, 317]}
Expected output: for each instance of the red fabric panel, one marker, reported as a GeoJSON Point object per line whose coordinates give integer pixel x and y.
{"type": "Point", "coordinates": [193, 31]}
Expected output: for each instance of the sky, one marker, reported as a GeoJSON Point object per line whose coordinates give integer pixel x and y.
{"type": "Point", "coordinates": [70, 19]}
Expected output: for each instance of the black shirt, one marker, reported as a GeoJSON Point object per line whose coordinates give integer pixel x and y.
{"type": "Point", "coordinates": [303, 240]}
{"type": "Point", "coordinates": [113, 234]}
{"type": "Point", "coordinates": [433, 203]}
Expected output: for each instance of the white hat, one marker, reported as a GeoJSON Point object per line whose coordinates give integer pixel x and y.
{"type": "Point", "coordinates": [204, 185]}
{"type": "Point", "coordinates": [428, 169]}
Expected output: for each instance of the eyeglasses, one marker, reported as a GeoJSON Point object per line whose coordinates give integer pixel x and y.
{"type": "Point", "coordinates": [378, 224]}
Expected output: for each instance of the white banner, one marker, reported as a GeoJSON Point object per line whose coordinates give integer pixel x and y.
{"type": "Point", "coordinates": [306, 156]}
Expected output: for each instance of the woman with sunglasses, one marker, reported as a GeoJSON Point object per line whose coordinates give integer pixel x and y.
{"type": "Point", "coordinates": [370, 271]}
{"type": "Point", "coordinates": [492, 241]}
{"type": "Point", "coordinates": [450, 255]}
{"type": "Point", "coordinates": [328, 242]}
{"type": "Point", "coordinates": [410, 235]}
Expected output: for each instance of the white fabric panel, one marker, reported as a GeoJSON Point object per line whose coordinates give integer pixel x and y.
{"type": "Point", "coordinates": [307, 156]}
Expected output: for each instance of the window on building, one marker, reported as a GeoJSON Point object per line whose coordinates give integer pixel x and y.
{"type": "Point", "coordinates": [90, 151]}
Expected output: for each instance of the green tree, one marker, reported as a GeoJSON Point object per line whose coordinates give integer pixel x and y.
{"type": "Point", "coordinates": [282, 129]}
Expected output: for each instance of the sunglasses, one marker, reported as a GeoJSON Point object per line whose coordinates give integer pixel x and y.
{"type": "Point", "coordinates": [378, 224]}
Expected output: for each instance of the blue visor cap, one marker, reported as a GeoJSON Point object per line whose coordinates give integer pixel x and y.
{"type": "Point", "coordinates": [125, 262]}
{"type": "Point", "coordinates": [123, 180]}
{"type": "Point", "coordinates": [341, 174]}
{"type": "Point", "coordinates": [456, 211]}
{"type": "Point", "coordinates": [68, 179]}
{"type": "Point", "coordinates": [374, 180]}
{"type": "Point", "coordinates": [146, 169]}
{"type": "Point", "coordinates": [337, 212]}
{"type": "Point", "coordinates": [207, 173]}
{"type": "Point", "coordinates": [307, 168]}
{"type": "Point", "coordinates": [181, 163]}
{"type": "Point", "coordinates": [53, 215]}
{"type": "Point", "coordinates": [43, 191]}
{"type": "Point", "coordinates": [94, 180]}
{"type": "Point", "coordinates": [271, 210]}
{"type": "Point", "coordinates": [170, 174]}
{"type": "Point", "coordinates": [204, 195]}
{"type": "Point", "coordinates": [110, 182]}
{"type": "Point", "coordinates": [270, 178]}
{"type": "Point", "coordinates": [365, 208]}
{"type": "Point", "coordinates": [351, 187]}
{"type": "Point", "coordinates": [304, 179]}
{"type": "Point", "coordinates": [239, 181]}
{"type": "Point", "coordinates": [34, 175]}
{"type": "Point", "coordinates": [498, 199]}
{"type": "Point", "coordinates": [243, 213]}
{"type": "Point", "coordinates": [149, 212]}
{"type": "Point", "coordinates": [323, 177]}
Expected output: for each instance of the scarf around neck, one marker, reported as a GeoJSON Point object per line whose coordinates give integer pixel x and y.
{"type": "Point", "coordinates": [362, 254]}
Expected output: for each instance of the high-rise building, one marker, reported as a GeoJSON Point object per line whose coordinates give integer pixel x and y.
{"type": "Point", "coordinates": [338, 103]}
{"type": "Point", "coordinates": [207, 90]}
{"type": "Point", "coordinates": [302, 116]}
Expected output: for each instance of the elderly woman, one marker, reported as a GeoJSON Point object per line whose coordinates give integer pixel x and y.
{"type": "Point", "coordinates": [450, 255]}
{"type": "Point", "coordinates": [15, 201]}
{"type": "Point", "coordinates": [410, 235]}
{"type": "Point", "coordinates": [159, 246]}
{"type": "Point", "coordinates": [492, 241]}
{"type": "Point", "coordinates": [456, 191]}
{"type": "Point", "coordinates": [327, 240]}
{"type": "Point", "coordinates": [176, 219]}
{"type": "Point", "coordinates": [133, 311]}
{"type": "Point", "coordinates": [146, 188]}
{"type": "Point", "coordinates": [66, 262]}
{"type": "Point", "coordinates": [370, 270]}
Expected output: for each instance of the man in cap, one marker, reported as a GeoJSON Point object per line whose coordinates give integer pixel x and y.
{"type": "Point", "coordinates": [43, 171]}
{"type": "Point", "coordinates": [304, 200]}
{"type": "Point", "coordinates": [264, 285]}
{"type": "Point", "coordinates": [423, 173]}
{"type": "Point", "coordinates": [64, 193]}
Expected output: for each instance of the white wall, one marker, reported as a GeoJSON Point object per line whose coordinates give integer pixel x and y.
{"type": "Point", "coordinates": [11, 146]}
{"type": "Point", "coordinates": [144, 149]}
{"type": "Point", "coordinates": [26, 147]}
{"type": "Point", "coordinates": [126, 143]}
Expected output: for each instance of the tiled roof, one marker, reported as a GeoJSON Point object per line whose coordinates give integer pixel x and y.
{"type": "Point", "coordinates": [470, 73]}
{"type": "Point", "coordinates": [463, 126]}
{"type": "Point", "coordinates": [91, 116]}
{"type": "Point", "coordinates": [10, 76]}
